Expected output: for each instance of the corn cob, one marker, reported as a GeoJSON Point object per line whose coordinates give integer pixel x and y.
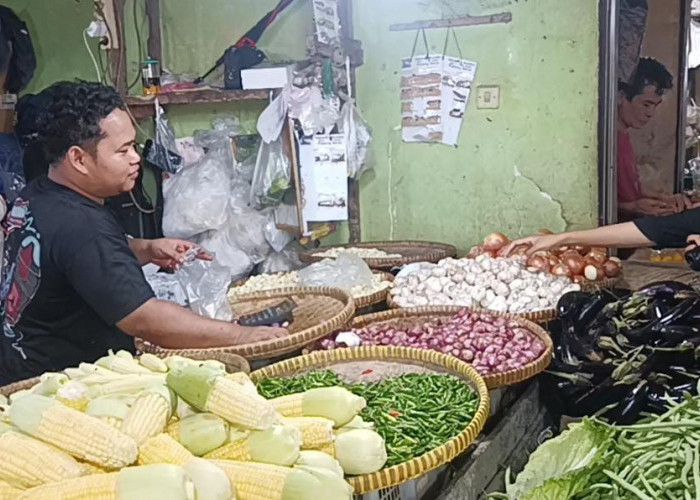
{"type": "Point", "coordinates": [124, 384]}
{"type": "Point", "coordinates": [73, 394]}
{"type": "Point", "coordinates": [210, 481]}
{"type": "Point", "coordinates": [87, 469]}
{"type": "Point", "coordinates": [207, 389]}
{"type": "Point", "coordinates": [153, 363]}
{"type": "Point", "coordinates": [334, 403]}
{"type": "Point", "coordinates": [254, 481]}
{"type": "Point", "coordinates": [150, 482]}
{"type": "Point", "coordinates": [7, 492]}
{"type": "Point", "coordinates": [328, 449]}
{"type": "Point", "coordinates": [111, 409]}
{"type": "Point", "coordinates": [278, 445]}
{"type": "Point", "coordinates": [200, 433]}
{"type": "Point", "coordinates": [27, 463]}
{"type": "Point", "coordinates": [78, 434]}
{"type": "Point", "coordinates": [49, 383]}
{"type": "Point", "coordinates": [316, 432]}
{"type": "Point", "coordinates": [149, 414]}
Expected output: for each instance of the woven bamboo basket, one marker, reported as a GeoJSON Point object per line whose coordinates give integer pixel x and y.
{"type": "Point", "coordinates": [233, 364]}
{"type": "Point", "coordinates": [431, 360]}
{"type": "Point", "coordinates": [360, 302]}
{"type": "Point", "coordinates": [410, 251]}
{"type": "Point", "coordinates": [422, 314]}
{"type": "Point", "coordinates": [319, 312]}
{"type": "Point", "coordinates": [543, 316]}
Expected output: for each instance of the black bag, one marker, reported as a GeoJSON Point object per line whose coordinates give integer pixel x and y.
{"type": "Point", "coordinates": [22, 62]}
{"type": "Point", "coordinates": [237, 59]}
{"type": "Point", "coordinates": [693, 258]}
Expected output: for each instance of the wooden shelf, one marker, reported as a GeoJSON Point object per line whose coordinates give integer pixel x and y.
{"type": "Point", "coordinates": [142, 106]}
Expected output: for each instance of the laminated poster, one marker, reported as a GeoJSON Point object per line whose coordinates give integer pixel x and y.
{"type": "Point", "coordinates": [324, 178]}
{"type": "Point", "coordinates": [457, 77]}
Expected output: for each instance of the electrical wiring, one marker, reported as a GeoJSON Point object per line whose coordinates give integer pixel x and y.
{"type": "Point", "coordinates": [138, 42]}
{"type": "Point", "coordinates": [92, 57]}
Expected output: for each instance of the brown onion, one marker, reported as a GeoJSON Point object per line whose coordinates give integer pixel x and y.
{"type": "Point", "coordinates": [611, 268]}
{"type": "Point", "coordinates": [553, 261]}
{"type": "Point", "coordinates": [595, 258]}
{"type": "Point", "coordinates": [475, 252]}
{"type": "Point", "coordinates": [616, 259]}
{"type": "Point", "coordinates": [561, 270]}
{"type": "Point", "coordinates": [581, 250]}
{"type": "Point", "coordinates": [574, 262]}
{"type": "Point", "coordinates": [495, 241]}
{"type": "Point", "coordinates": [539, 263]}
{"type": "Point", "coordinates": [593, 273]}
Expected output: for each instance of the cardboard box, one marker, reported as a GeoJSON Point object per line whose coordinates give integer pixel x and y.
{"type": "Point", "coordinates": [266, 77]}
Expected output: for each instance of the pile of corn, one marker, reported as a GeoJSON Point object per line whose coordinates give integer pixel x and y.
{"type": "Point", "coordinates": [178, 429]}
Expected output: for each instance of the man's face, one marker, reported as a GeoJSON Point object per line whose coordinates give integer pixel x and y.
{"type": "Point", "coordinates": [115, 165]}
{"type": "Point", "coordinates": [636, 113]}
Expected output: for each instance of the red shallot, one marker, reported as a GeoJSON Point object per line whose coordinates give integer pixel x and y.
{"type": "Point", "coordinates": [495, 241]}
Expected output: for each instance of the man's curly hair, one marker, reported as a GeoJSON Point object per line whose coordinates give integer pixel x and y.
{"type": "Point", "coordinates": [72, 117]}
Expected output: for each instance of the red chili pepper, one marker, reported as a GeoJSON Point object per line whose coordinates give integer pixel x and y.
{"type": "Point", "coordinates": [367, 372]}
{"type": "Point", "coordinates": [394, 414]}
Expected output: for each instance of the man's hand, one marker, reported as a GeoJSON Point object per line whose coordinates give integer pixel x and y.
{"type": "Point", "coordinates": [249, 335]}
{"type": "Point", "coordinates": [679, 202]}
{"type": "Point", "coordinates": [170, 253]}
{"type": "Point", "coordinates": [650, 206]}
{"type": "Point", "coordinates": [535, 244]}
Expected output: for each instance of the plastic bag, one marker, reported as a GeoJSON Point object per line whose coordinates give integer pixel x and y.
{"type": "Point", "coordinates": [196, 199]}
{"type": "Point", "coordinates": [272, 176]}
{"type": "Point", "coordinates": [206, 285]}
{"type": "Point", "coordinates": [247, 229]}
{"type": "Point", "coordinates": [346, 272]}
{"type": "Point", "coordinates": [222, 244]}
{"type": "Point", "coordinates": [164, 153]}
{"type": "Point", "coordinates": [358, 136]}
{"type": "Point", "coordinates": [167, 287]}
{"type": "Point", "coordinates": [277, 238]}
{"type": "Point", "coordinates": [281, 262]}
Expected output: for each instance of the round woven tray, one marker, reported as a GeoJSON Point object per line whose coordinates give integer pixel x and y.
{"type": "Point", "coordinates": [431, 360]}
{"type": "Point", "coordinates": [319, 312]}
{"type": "Point", "coordinates": [423, 314]}
{"type": "Point", "coordinates": [233, 364]}
{"type": "Point", "coordinates": [410, 251]}
{"type": "Point", "coordinates": [360, 302]}
{"type": "Point", "coordinates": [535, 316]}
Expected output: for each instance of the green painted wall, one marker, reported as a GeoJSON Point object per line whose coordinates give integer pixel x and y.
{"type": "Point", "coordinates": [545, 61]}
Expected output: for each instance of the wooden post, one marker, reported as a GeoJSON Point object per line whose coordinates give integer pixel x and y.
{"type": "Point", "coordinates": [117, 57]}
{"type": "Point", "coordinates": [155, 48]}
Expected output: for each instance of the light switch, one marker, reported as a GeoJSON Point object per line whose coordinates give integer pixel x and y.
{"type": "Point", "coordinates": [488, 97]}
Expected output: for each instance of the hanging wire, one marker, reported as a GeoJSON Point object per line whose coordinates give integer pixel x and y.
{"type": "Point", "coordinates": [425, 41]}
{"type": "Point", "coordinates": [447, 39]}
{"type": "Point", "coordinates": [92, 57]}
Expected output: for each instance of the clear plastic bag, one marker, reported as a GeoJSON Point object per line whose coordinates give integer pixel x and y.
{"type": "Point", "coordinates": [277, 238]}
{"type": "Point", "coordinates": [358, 136]}
{"type": "Point", "coordinates": [281, 262]}
{"type": "Point", "coordinates": [272, 176]}
{"type": "Point", "coordinates": [346, 272]}
{"type": "Point", "coordinates": [206, 285]}
{"type": "Point", "coordinates": [196, 199]}
{"type": "Point", "coordinates": [222, 244]}
{"type": "Point", "coordinates": [167, 287]}
{"type": "Point", "coordinates": [247, 230]}
{"type": "Point", "coordinates": [164, 153]}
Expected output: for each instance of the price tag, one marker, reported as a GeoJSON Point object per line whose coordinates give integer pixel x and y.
{"type": "Point", "coordinates": [8, 101]}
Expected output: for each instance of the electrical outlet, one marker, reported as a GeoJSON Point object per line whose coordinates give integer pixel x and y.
{"type": "Point", "coordinates": [488, 97]}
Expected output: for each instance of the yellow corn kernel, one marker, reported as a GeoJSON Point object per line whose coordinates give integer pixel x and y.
{"type": "Point", "coordinates": [163, 449]}
{"type": "Point", "coordinates": [112, 421]}
{"type": "Point", "coordinates": [7, 492]}
{"type": "Point", "coordinates": [148, 416]}
{"type": "Point", "coordinates": [156, 482]}
{"type": "Point", "coordinates": [74, 395]}
{"type": "Point", "coordinates": [76, 433]}
{"type": "Point", "coordinates": [236, 450]}
{"type": "Point", "coordinates": [254, 481]}
{"type": "Point", "coordinates": [316, 432]}
{"type": "Point", "coordinates": [27, 463]}
{"type": "Point", "coordinates": [87, 469]}
{"type": "Point", "coordinates": [289, 406]}
{"type": "Point", "coordinates": [328, 449]}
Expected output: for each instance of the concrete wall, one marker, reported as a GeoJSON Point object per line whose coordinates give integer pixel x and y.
{"type": "Point", "coordinates": [530, 164]}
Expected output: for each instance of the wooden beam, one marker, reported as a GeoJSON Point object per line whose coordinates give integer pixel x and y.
{"type": "Point", "coordinates": [454, 22]}
{"type": "Point", "coordinates": [117, 56]}
{"type": "Point", "coordinates": [155, 47]}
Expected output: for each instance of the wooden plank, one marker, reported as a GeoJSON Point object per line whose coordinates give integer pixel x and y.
{"type": "Point", "coordinates": [155, 48]}
{"type": "Point", "coordinates": [454, 22]}
{"type": "Point", "coordinates": [117, 56]}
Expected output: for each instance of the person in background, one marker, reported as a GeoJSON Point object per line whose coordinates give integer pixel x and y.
{"type": "Point", "coordinates": [72, 284]}
{"type": "Point", "coordinates": [638, 101]}
{"type": "Point", "coordinates": [671, 231]}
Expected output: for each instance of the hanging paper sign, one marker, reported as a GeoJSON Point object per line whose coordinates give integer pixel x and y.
{"type": "Point", "coordinates": [421, 99]}
{"type": "Point", "coordinates": [457, 77]}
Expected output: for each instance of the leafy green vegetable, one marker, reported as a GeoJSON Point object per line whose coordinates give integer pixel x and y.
{"type": "Point", "coordinates": [561, 467]}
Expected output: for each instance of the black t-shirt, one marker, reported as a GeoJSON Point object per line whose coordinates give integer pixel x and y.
{"type": "Point", "coordinates": [68, 277]}
{"type": "Point", "coordinates": [670, 231]}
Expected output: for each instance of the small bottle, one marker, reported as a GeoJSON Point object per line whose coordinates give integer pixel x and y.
{"type": "Point", "coordinates": [150, 76]}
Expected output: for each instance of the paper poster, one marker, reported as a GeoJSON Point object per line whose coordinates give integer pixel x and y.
{"type": "Point", "coordinates": [327, 21]}
{"type": "Point", "coordinates": [457, 77]}
{"type": "Point", "coordinates": [421, 99]}
{"type": "Point", "coordinates": [324, 178]}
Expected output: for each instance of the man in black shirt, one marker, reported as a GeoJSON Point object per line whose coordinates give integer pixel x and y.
{"type": "Point", "coordinates": [72, 284]}
{"type": "Point", "coordinates": [671, 231]}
